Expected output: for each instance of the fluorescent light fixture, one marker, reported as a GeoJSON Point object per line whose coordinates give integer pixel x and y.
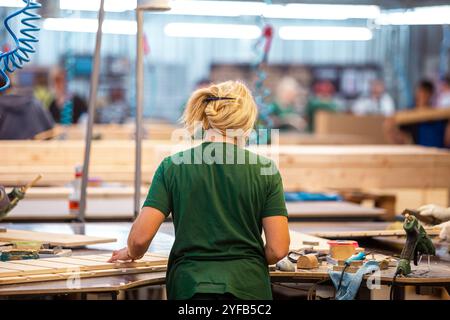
{"type": "Point", "coordinates": [417, 16]}
{"type": "Point", "coordinates": [12, 3]}
{"type": "Point", "coordinates": [217, 8]}
{"type": "Point", "coordinates": [90, 25]}
{"type": "Point", "coordinates": [238, 8]}
{"type": "Point", "coordinates": [321, 11]}
{"type": "Point", "coordinates": [94, 5]}
{"type": "Point", "coordinates": [211, 30]}
{"type": "Point", "coordinates": [325, 33]}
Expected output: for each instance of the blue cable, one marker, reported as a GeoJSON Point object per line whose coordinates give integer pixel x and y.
{"type": "Point", "coordinates": [261, 50]}
{"type": "Point", "coordinates": [66, 118]}
{"type": "Point", "coordinates": [14, 59]}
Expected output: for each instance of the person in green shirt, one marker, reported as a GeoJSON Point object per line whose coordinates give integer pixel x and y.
{"type": "Point", "coordinates": [221, 197]}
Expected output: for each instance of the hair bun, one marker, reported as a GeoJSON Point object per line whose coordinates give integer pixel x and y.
{"type": "Point", "coordinates": [210, 111]}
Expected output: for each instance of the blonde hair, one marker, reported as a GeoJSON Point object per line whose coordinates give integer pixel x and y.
{"type": "Point", "coordinates": [225, 106]}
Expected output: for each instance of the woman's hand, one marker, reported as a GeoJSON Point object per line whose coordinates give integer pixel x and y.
{"type": "Point", "coordinates": [445, 231]}
{"type": "Point", "coordinates": [120, 255]}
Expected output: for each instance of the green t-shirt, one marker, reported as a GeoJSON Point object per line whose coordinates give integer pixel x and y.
{"type": "Point", "coordinates": [218, 195]}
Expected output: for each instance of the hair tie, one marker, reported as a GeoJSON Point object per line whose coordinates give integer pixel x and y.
{"type": "Point", "coordinates": [209, 99]}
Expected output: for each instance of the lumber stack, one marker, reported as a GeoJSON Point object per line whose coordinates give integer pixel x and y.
{"type": "Point", "coordinates": [421, 115]}
{"type": "Point", "coordinates": [300, 166]}
{"type": "Point", "coordinates": [84, 266]}
{"type": "Point", "coordinates": [369, 128]}
{"type": "Point", "coordinates": [154, 131]}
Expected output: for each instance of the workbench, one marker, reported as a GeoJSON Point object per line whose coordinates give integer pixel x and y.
{"type": "Point", "coordinates": [114, 286]}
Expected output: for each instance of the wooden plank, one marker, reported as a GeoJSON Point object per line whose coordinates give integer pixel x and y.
{"type": "Point", "coordinates": [369, 233]}
{"type": "Point", "coordinates": [300, 166]}
{"type": "Point", "coordinates": [23, 269]}
{"type": "Point", "coordinates": [421, 115]}
{"type": "Point", "coordinates": [7, 272]}
{"type": "Point", "coordinates": [370, 126]}
{"type": "Point", "coordinates": [54, 239]}
{"type": "Point", "coordinates": [47, 268]}
{"type": "Point", "coordinates": [331, 209]}
{"type": "Point", "coordinates": [54, 265]}
{"type": "Point", "coordinates": [81, 274]}
{"type": "Point", "coordinates": [85, 264]}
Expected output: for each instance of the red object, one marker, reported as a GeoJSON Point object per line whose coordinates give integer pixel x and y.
{"type": "Point", "coordinates": [146, 45]}
{"type": "Point", "coordinates": [268, 34]}
{"type": "Point", "coordinates": [343, 243]}
{"type": "Point", "coordinates": [74, 205]}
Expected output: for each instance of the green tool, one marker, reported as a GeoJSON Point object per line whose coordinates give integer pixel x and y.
{"type": "Point", "coordinates": [417, 243]}
{"type": "Point", "coordinates": [10, 200]}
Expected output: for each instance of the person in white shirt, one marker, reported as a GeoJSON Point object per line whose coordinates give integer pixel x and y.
{"type": "Point", "coordinates": [379, 101]}
{"type": "Point", "coordinates": [443, 99]}
{"type": "Point", "coordinates": [439, 213]}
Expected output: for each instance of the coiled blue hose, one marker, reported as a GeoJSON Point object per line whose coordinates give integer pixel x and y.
{"type": "Point", "coordinates": [67, 113]}
{"type": "Point", "coordinates": [14, 59]}
{"type": "Point", "coordinates": [261, 50]}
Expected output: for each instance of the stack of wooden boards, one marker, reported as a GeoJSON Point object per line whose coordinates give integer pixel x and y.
{"type": "Point", "coordinates": [388, 168]}
{"type": "Point", "coordinates": [85, 266]}
{"type": "Point", "coordinates": [155, 131]}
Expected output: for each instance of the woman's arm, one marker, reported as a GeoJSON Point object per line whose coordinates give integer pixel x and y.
{"type": "Point", "coordinates": [142, 232]}
{"type": "Point", "coordinates": [276, 232]}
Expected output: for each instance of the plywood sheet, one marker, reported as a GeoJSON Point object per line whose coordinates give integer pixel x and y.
{"type": "Point", "coordinates": [54, 239]}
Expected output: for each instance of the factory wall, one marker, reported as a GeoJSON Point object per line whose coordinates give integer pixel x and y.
{"type": "Point", "coordinates": [174, 64]}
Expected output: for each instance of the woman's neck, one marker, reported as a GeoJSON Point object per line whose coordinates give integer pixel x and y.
{"type": "Point", "coordinates": [214, 136]}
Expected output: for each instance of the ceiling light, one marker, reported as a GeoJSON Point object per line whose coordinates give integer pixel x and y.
{"type": "Point", "coordinates": [322, 11]}
{"type": "Point", "coordinates": [325, 33]}
{"type": "Point", "coordinates": [90, 25]}
{"type": "Point", "coordinates": [94, 5]}
{"type": "Point", "coordinates": [417, 16]}
{"type": "Point", "coordinates": [239, 8]}
{"type": "Point", "coordinates": [210, 30]}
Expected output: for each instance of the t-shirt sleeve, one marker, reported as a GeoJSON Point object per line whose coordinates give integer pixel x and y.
{"type": "Point", "coordinates": [159, 196]}
{"type": "Point", "coordinates": [275, 204]}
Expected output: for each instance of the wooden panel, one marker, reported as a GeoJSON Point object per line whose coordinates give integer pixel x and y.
{"type": "Point", "coordinates": [422, 115]}
{"type": "Point", "coordinates": [330, 209]}
{"type": "Point", "coordinates": [369, 233]}
{"type": "Point", "coordinates": [54, 239]}
{"type": "Point", "coordinates": [155, 131]}
{"type": "Point", "coordinates": [81, 274]}
{"type": "Point", "coordinates": [300, 166]}
{"type": "Point", "coordinates": [64, 267]}
{"type": "Point", "coordinates": [371, 127]}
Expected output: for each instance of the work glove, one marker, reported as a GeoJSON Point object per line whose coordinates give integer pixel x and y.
{"type": "Point", "coordinates": [433, 210]}
{"type": "Point", "coordinates": [445, 231]}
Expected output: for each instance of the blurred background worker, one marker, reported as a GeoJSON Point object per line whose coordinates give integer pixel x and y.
{"type": "Point", "coordinates": [430, 134]}
{"type": "Point", "coordinates": [323, 99]}
{"type": "Point", "coordinates": [443, 99]}
{"type": "Point", "coordinates": [287, 107]}
{"type": "Point", "coordinates": [440, 213]}
{"type": "Point", "coordinates": [116, 110]}
{"type": "Point", "coordinates": [66, 108]}
{"type": "Point", "coordinates": [378, 102]}
{"type": "Point", "coordinates": [22, 117]}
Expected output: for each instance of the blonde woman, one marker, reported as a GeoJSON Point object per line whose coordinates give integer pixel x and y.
{"type": "Point", "coordinates": [221, 198]}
